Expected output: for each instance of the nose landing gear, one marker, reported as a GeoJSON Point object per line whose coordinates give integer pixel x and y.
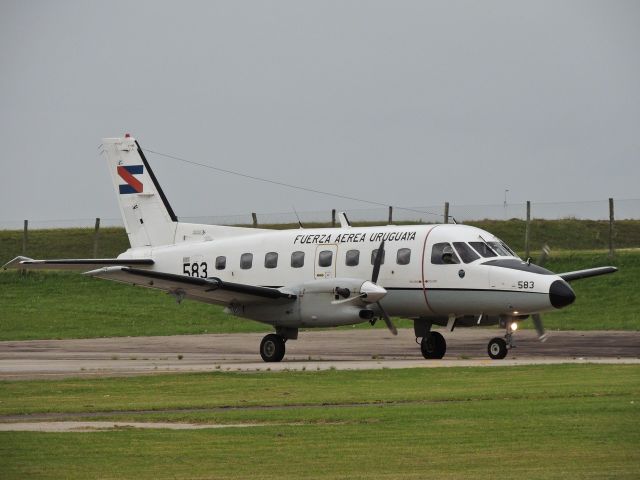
{"type": "Point", "coordinates": [499, 347]}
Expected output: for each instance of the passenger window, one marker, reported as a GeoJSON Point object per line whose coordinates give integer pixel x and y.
{"type": "Point", "coordinates": [325, 258]}
{"type": "Point", "coordinates": [404, 256]}
{"type": "Point", "coordinates": [221, 263]}
{"type": "Point", "coordinates": [443, 254]}
{"type": "Point", "coordinates": [483, 249]}
{"type": "Point", "coordinates": [246, 260]}
{"type": "Point", "coordinates": [353, 258]}
{"type": "Point", "coordinates": [297, 259]}
{"type": "Point", "coordinates": [271, 260]}
{"type": "Point", "coordinates": [467, 254]}
{"type": "Point", "coordinates": [374, 254]}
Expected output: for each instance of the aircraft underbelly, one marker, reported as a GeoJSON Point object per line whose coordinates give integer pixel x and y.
{"type": "Point", "coordinates": [491, 302]}
{"type": "Point", "coordinates": [405, 302]}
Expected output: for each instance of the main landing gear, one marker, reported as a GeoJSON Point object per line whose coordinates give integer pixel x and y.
{"type": "Point", "coordinates": [272, 345]}
{"type": "Point", "coordinates": [272, 348]}
{"type": "Point", "coordinates": [433, 345]}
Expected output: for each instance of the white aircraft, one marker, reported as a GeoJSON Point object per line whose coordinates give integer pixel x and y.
{"type": "Point", "coordinates": [447, 275]}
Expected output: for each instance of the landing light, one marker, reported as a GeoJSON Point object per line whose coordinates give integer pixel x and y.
{"type": "Point", "coordinates": [514, 326]}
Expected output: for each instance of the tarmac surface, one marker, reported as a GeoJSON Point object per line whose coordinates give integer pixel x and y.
{"type": "Point", "coordinates": [355, 349]}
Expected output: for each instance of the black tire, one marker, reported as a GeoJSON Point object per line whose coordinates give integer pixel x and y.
{"type": "Point", "coordinates": [272, 348]}
{"type": "Point", "coordinates": [433, 346]}
{"type": "Point", "coordinates": [497, 348]}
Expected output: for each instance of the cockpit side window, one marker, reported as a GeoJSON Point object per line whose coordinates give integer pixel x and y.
{"type": "Point", "coordinates": [443, 254]}
{"type": "Point", "coordinates": [483, 249]}
{"type": "Point", "coordinates": [467, 254]}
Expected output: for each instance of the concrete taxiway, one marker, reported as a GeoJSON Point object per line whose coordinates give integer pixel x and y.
{"type": "Point", "coordinates": [314, 350]}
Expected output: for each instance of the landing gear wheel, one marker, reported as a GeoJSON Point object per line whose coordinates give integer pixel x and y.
{"type": "Point", "coordinates": [272, 348]}
{"type": "Point", "coordinates": [497, 348]}
{"type": "Point", "coordinates": [433, 346]}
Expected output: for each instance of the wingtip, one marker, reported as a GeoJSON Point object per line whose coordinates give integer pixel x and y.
{"type": "Point", "coordinates": [16, 261]}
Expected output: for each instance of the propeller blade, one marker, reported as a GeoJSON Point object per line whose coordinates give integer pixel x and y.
{"type": "Point", "coordinates": [537, 321]}
{"type": "Point", "coordinates": [544, 254]}
{"type": "Point", "coordinates": [377, 262]}
{"type": "Point", "coordinates": [387, 320]}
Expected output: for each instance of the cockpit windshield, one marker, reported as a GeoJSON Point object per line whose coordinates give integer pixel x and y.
{"type": "Point", "coordinates": [472, 251]}
{"type": "Point", "coordinates": [483, 249]}
{"type": "Point", "coordinates": [511, 252]}
{"type": "Point", "coordinates": [494, 248]}
{"type": "Point", "coordinates": [500, 249]}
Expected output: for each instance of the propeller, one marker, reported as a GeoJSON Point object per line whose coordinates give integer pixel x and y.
{"type": "Point", "coordinates": [377, 262]}
{"type": "Point", "coordinates": [536, 317]}
{"type": "Point", "coordinates": [374, 279]}
{"type": "Point", "coordinates": [537, 322]}
{"type": "Point", "coordinates": [370, 291]}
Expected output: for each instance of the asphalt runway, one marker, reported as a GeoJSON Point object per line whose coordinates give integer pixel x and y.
{"type": "Point", "coordinates": [314, 350]}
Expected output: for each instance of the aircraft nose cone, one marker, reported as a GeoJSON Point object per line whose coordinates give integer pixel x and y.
{"type": "Point", "coordinates": [561, 294]}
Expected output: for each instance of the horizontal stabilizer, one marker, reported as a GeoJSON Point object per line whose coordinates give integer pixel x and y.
{"type": "Point", "coordinates": [209, 290]}
{"type": "Point", "coordinates": [75, 263]}
{"type": "Point", "coordinates": [589, 272]}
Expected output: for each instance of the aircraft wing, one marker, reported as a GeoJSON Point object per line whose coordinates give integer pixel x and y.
{"type": "Point", "coordinates": [589, 272]}
{"type": "Point", "coordinates": [74, 263]}
{"type": "Point", "coordinates": [208, 290]}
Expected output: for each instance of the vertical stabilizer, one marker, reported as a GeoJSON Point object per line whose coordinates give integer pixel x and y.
{"type": "Point", "coordinates": [148, 217]}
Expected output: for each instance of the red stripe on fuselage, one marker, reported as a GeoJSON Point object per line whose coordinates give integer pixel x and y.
{"type": "Point", "coordinates": [424, 285]}
{"type": "Point", "coordinates": [130, 179]}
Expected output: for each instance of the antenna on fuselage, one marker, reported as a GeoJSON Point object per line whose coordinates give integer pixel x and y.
{"type": "Point", "coordinates": [344, 221]}
{"type": "Point", "coordinates": [296, 212]}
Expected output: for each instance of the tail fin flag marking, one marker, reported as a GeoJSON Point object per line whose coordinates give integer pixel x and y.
{"type": "Point", "coordinates": [127, 172]}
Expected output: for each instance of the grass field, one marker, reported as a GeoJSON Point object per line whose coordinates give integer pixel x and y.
{"type": "Point", "coordinates": [561, 421]}
{"type": "Point", "coordinates": [68, 305]}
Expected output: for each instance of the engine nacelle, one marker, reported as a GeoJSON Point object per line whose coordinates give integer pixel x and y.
{"type": "Point", "coordinates": [320, 303]}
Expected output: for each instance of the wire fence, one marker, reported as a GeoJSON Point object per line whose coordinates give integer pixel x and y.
{"type": "Point", "coordinates": [624, 209]}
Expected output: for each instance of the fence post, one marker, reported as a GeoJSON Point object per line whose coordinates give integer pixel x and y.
{"type": "Point", "coordinates": [611, 219]}
{"type": "Point", "coordinates": [527, 232]}
{"type": "Point", "coordinates": [390, 215]}
{"type": "Point", "coordinates": [25, 237]}
{"type": "Point", "coordinates": [96, 234]}
{"type": "Point", "coordinates": [333, 217]}
{"type": "Point", "coordinates": [255, 219]}
{"type": "Point", "coordinates": [446, 212]}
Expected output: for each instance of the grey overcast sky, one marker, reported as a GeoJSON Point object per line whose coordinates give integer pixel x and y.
{"type": "Point", "coordinates": [403, 102]}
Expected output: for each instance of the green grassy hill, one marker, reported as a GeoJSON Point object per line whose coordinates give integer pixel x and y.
{"type": "Point", "coordinates": [69, 305]}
